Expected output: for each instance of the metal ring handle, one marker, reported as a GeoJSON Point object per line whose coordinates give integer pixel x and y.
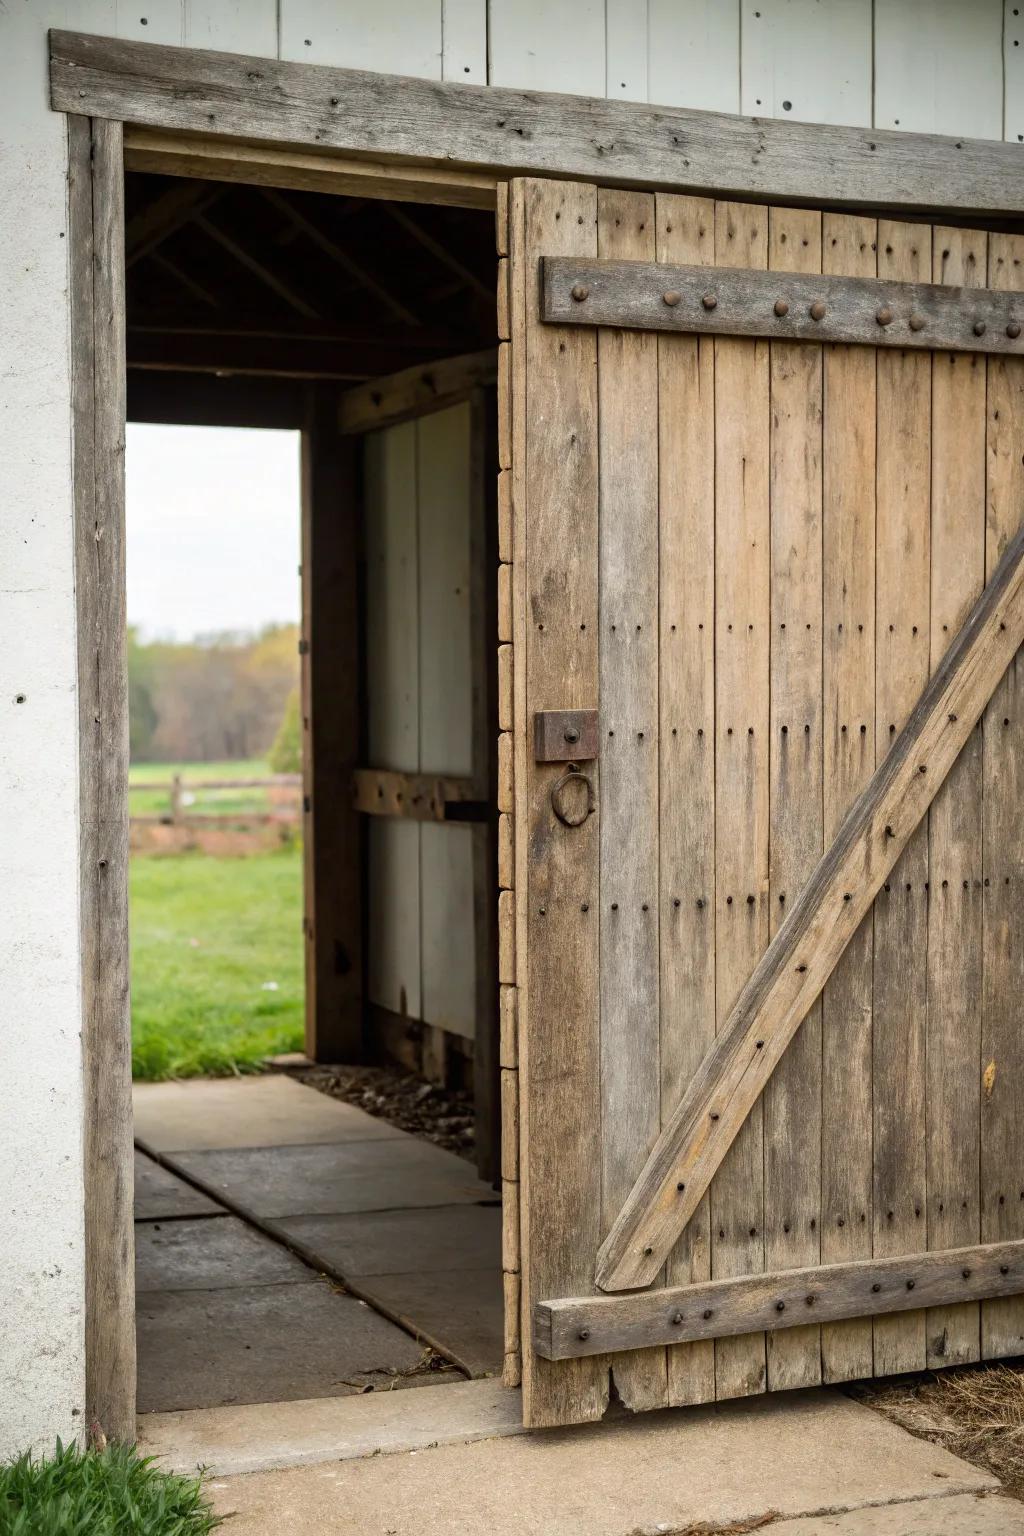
{"type": "Point", "coordinates": [572, 775]}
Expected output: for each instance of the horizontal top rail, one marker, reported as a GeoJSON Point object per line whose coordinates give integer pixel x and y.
{"type": "Point", "coordinates": [270, 781]}
{"type": "Point", "coordinates": [513, 132]}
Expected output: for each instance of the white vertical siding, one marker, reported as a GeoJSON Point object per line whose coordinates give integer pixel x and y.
{"type": "Point", "coordinates": [401, 36]}
{"type": "Point", "coordinates": [232, 26]}
{"type": "Point", "coordinates": [807, 59]}
{"type": "Point", "coordinates": [464, 41]}
{"type": "Point", "coordinates": [693, 51]}
{"type": "Point", "coordinates": [1013, 58]}
{"type": "Point", "coordinates": [938, 66]}
{"type": "Point", "coordinates": [151, 21]}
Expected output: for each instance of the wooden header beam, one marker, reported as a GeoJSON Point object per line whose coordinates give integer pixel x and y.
{"type": "Point", "coordinates": [783, 306]}
{"type": "Point", "coordinates": [415, 391]}
{"type": "Point", "coordinates": [827, 1293]}
{"type": "Point", "coordinates": [509, 132]}
{"type": "Point", "coordinates": [808, 946]}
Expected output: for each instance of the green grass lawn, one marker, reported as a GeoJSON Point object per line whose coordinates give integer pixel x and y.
{"type": "Point", "coordinates": [223, 802]}
{"type": "Point", "coordinates": [112, 1492]}
{"type": "Point", "coordinates": [209, 937]}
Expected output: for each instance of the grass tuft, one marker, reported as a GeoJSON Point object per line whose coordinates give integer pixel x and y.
{"type": "Point", "coordinates": [113, 1492]}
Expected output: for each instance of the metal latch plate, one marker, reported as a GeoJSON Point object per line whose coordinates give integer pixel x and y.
{"type": "Point", "coordinates": [565, 735]}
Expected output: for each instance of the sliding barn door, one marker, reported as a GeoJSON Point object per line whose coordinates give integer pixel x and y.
{"type": "Point", "coordinates": [768, 1139]}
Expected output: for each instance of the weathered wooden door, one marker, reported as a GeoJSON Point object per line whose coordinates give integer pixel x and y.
{"type": "Point", "coordinates": [748, 546]}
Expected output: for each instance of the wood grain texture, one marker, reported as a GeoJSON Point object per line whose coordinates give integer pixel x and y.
{"type": "Point", "coordinates": [858, 309]}
{"type": "Point", "coordinates": [1002, 1041]}
{"type": "Point", "coordinates": [628, 660]}
{"type": "Point", "coordinates": [555, 477]}
{"type": "Point", "coordinates": [848, 621]}
{"type": "Point", "coordinates": [576, 1327]}
{"type": "Point", "coordinates": [792, 1099]}
{"type": "Point", "coordinates": [413, 796]}
{"type": "Point", "coordinates": [527, 132]}
{"type": "Point", "coordinates": [415, 391]}
{"type": "Point", "coordinates": [331, 668]}
{"type": "Point", "coordinates": [686, 495]}
{"type": "Point", "coordinates": [824, 919]}
{"type": "Point", "coordinates": [955, 822]}
{"type": "Point", "coordinates": [96, 230]}
{"type": "Point", "coordinates": [742, 616]}
{"type": "Point", "coordinates": [902, 606]}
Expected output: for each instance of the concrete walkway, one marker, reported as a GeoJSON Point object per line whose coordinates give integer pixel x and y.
{"type": "Point", "coordinates": [228, 1315]}
{"type": "Point", "coordinates": [809, 1463]}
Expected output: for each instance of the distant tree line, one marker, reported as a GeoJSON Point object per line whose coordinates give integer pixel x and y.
{"type": "Point", "coordinates": [219, 697]}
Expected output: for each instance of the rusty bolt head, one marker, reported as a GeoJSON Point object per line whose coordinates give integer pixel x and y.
{"type": "Point", "coordinates": [671, 298]}
{"type": "Point", "coordinates": [781, 308]}
{"type": "Point", "coordinates": [916, 322]}
{"type": "Point", "coordinates": [1013, 330]}
{"type": "Point", "coordinates": [817, 310]}
{"type": "Point", "coordinates": [979, 327]}
{"type": "Point", "coordinates": [583, 1335]}
{"type": "Point", "coordinates": [884, 316]}
{"type": "Point", "coordinates": [580, 292]}
{"type": "Point", "coordinates": [709, 301]}
{"type": "Point", "coordinates": [571, 735]}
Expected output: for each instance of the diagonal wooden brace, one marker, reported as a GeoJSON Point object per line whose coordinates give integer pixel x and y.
{"type": "Point", "coordinates": [806, 949]}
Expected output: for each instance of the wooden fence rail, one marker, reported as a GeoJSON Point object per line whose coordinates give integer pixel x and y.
{"type": "Point", "coordinates": [179, 813]}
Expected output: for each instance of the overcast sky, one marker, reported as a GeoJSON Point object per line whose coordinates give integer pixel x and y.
{"type": "Point", "coordinates": [213, 529]}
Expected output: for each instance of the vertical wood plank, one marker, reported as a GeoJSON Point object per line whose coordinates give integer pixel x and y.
{"type": "Point", "coordinates": [955, 821]}
{"type": "Point", "coordinates": [96, 211]}
{"type": "Point", "coordinates": [939, 66]}
{"type": "Point", "coordinates": [628, 471]}
{"type": "Point", "coordinates": [848, 616]}
{"type": "Point", "coordinates": [331, 673]}
{"type": "Point", "coordinates": [548, 45]}
{"type": "Point", "coordinates": [792, 1098]}
{"type": "Point", "coordinates": [742, 580]}
{"type": "Point", "coordinates": [558, 874]}
{"type": "Point", "coordinates": [1002, 1044]}
{"type": "Point", "coordinates": [464, 41]}
{"type": "Point", "coordinates": [808, 61]}
{"type": "Point", "coordinates": [693, 54]}
{"type": "Point", "coordinates": [903, 578]}
{"type": "Point", "coordinates": [686, 493]}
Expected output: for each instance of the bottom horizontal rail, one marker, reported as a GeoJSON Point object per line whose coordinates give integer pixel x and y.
{"type": "Point", "coordinates": [596, 1325]}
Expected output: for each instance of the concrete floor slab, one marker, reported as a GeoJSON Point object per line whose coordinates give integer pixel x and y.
{"type": "Point", "coordinates": [255, 1437]}
{"type": "Point", "coordinates": [661, 1473]}
{"type": "Point", "coordinates": [968, 1514]}
{"type": "Point", "coordinates": [209, 1254]}
{"type": "Point", "coordinates": [462, 1309]}
{"type": "Point", "coordinates": [265, 1110]}
{"type": "Point", "coordinates": [393, 1242]}
{"type": "Point", "coordinates": [316, 1180]}
{"type": "Point", "coordinates": [268, 1343]}
{"type": "Point", "coordinates": [160, 1194]}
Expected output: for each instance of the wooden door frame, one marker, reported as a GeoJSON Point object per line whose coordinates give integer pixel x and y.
{"type": "Point", "coordinates": [223, 116]}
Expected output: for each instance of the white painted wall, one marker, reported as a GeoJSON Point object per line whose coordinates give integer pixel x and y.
{"type": "Point", "coordinates": [955, 66]}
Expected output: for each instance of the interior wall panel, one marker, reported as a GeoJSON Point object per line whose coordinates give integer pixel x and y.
{"type": "Point", "coordinates": [1013, 71]}
{"type": "Point", "coordinates": [392, 667]}
{"type": "Point", "coordinates": [939, 66]}
{"type": "Point", "coordinates": [807, 60]}
{"type": "Point", "coordinates": [693, 53]}
{"type": "Point", "coordinates": [401, 37]}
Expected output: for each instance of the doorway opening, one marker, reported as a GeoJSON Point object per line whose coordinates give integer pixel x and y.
{"type": "Point", "coordinates": [328, 1222]}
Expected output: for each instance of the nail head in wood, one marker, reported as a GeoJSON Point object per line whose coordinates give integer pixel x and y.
{"type": "Point", "coordinates": [916, 322]}
{"type": "Point", "coordinates": [1013, 330]}
{"type": "Point", "coordinates": [781, 308]}
{"type": "Point", "coordinates": [709, 301]}
{"type": "Point", "coordinates": [884, 315]}
{"type": "Point", "coordinates": [671, 298]}
{"type": "Point", "coordinates": [580, 292]}
{"type": "Point", "coordinates": [817, 310]}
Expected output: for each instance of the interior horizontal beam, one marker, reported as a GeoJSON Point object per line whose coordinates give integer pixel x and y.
{"type": "Point", "coordinates": [414, 391]}
{"type": "Point", "coordinates": [284, 357]}
{"type": "Point", "coordinates": [513, 132]}
{"type": "Point", "coordinates": [784, 306]}
{"type": "Point", "coordinates": [827, 1293]}
{"type": "Point", "coordinates": [411, 796]}
{"type": "Point", "coordinates": [211, 400]}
